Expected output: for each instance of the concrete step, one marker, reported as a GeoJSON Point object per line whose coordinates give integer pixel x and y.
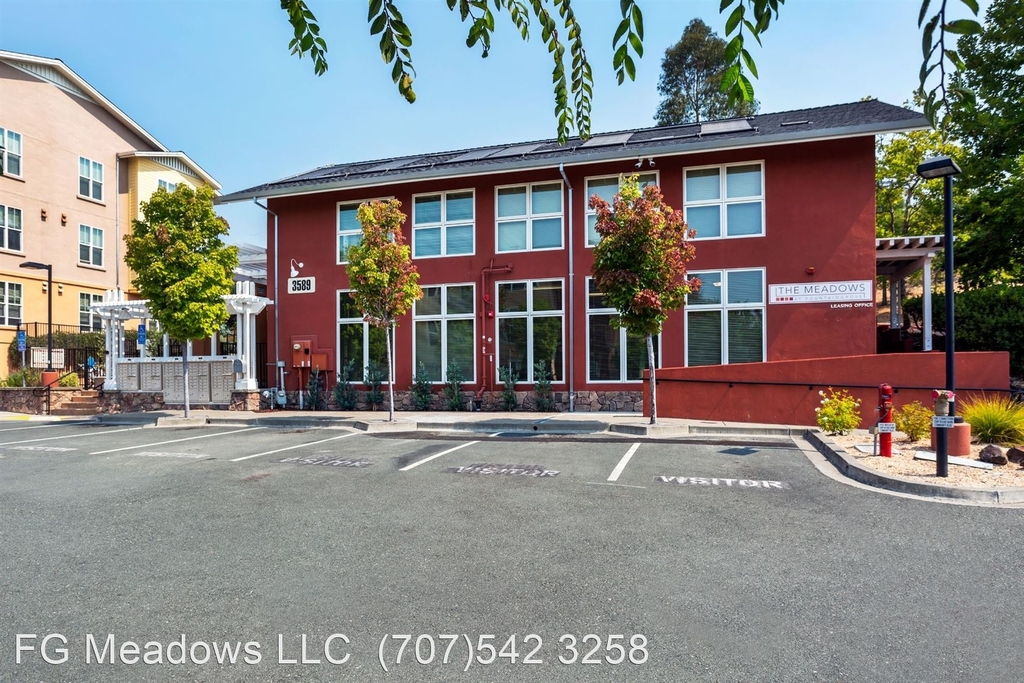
{"type": "Point", "coordinates": [70, 409]}
{"type": "Point", "coordinates": [89, 393]}
{"type": "Point", "coordinates": [84, 400]}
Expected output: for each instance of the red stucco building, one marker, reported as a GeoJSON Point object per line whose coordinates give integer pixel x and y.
{"type": "Point", "coordinates": [502, 239]}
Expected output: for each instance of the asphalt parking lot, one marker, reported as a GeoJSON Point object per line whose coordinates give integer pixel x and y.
{"type": "Point", "coordinates": [584, 558]}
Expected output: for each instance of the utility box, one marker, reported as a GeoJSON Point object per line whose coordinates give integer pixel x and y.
{"type": "Point", "coordinates": [301, 353]}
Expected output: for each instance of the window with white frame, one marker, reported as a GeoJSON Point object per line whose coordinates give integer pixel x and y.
{"type": "Point", "coordinates": [90, 246]}
{"type": "Point", "coordinates": [350, 230]}
{"type": "Point", "coordinates": [530, 329]}
{"type": "Point", "coordinates": [613, 354]}
{"type": "Point", "coordinates": [11, 157]}
{"type": "Point", "coordinates": [90, 179]}
{"type": "Point", "coordinates": [10, 228]}
{"type": "Point", "coordinates": [165, 185]}
{"type": "Point", "coordinates": [89, 320]}
{"type": "Point", "coordinates": [725, 201]}
{"type": "Point", "coordinates": [443, 323]}
{"type": "Point", "coordinates": [10, 303]}
{"type": "Point", "coordinates": [529, 217]}
{"type": "Point", "coordinates": [359, 342]}
{"type": "Point", "coordinates": [442, 224]}
{"type": "Point", "coordinates": [606, 188]}
{"type": "Point", "coordinates": [725, 318]}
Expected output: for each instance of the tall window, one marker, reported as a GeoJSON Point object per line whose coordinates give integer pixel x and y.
{"type": "Point", "coordinates": [88, 321]}
{"type": "Point", "coordinates": [443, 321]}
{"type": "Point", "coordinates": [11, 157]}
{"type": "Point", "coordinates": [164, 185]}
{"type": "Point", "coordinates": [10, 303]}
{"type": "Point", "coordinates": [530, 217]}
{"type": "Point", "coordinates": [725, 201]}
{"type": "Point", "coordinates": [530, 328]}
{"type": "Point", "coordinates": [359, 343]}
{"type": "Point", "coordinates": [613, 354]}
{"type": "Point", "coordinates": [90, 245]}
{"type": "Point", "coordinates": [725, 318]}
{"type": "Point", "coordinates": [606, 189]}
{"type": "Point", "coordinates": [10, 228]}
{"type": "Point", "coordinates": [350, 230]}
{"type": "Point", "coordinates": [442, 224]}
{"type": "Point", "coordinates": [90, 179]}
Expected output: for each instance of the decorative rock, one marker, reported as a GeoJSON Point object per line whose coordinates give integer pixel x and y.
{"type": "Point", "coordinates": [1015, 455]}
{"type": "Point", "coordinates": [992, 454]}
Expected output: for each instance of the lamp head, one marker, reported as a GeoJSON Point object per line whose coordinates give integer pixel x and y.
{"type": "Point", "coordinates": [34, 265]}
{"type": "Point", "coordinates": [937, 167]}
{"type": "Point", "coordinates": [295, 265]}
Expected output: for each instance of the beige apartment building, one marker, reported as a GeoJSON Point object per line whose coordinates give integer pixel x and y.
{"type": "Point", "coordinates": [75, 170]}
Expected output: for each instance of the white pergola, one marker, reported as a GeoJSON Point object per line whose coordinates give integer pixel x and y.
{"type": "Point", "coordinates": [898, 257]}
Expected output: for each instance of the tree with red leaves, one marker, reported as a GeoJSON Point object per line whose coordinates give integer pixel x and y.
{"type": "Point", "coordinates": [640, 262]}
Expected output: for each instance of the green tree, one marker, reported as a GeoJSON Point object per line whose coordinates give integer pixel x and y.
{"type": "Point", "coordinates": [383, 279]}
{"type": "Point", "coordinates": [992, 185]}
{"type": "Point", "coordinates": [691, 80]}
{"type": "Point", "coordinates": [181, 264]}
{"type": "Point", "coordinates": [905, 204]}
{"type": "Point", "coordinates": [746, 19]}
{"type": "Point", "coordinates": [640, 262]}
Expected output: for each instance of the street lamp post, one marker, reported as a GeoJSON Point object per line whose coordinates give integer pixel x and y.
{"type": "Point", "coordinates": [49, 307]}
{"type": "Point", "coordinates": [945, 168]}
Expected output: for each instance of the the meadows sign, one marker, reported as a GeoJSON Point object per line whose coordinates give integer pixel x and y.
{"type": "Point", "coordinates": [821, 292]}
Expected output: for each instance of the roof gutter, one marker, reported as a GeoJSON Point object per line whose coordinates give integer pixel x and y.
{"type": "Point", "coordinates": [614, 154]}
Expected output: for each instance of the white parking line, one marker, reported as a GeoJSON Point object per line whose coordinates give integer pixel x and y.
{"type": "Point", "coordinates": [72, 436]}
{"type": "Point", "coordinates": [436, 455]}
{"type": "Point", "coordinates": [289, 448]}
{"type": "Point", "coordinates": [161, 443]}
{"type": "Point", "coordinates": [622, 463]}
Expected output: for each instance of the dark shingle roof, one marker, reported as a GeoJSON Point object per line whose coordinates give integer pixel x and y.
{"type": "Point", "coordinates": [869, 117]}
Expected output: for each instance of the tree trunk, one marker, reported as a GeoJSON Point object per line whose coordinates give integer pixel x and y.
{"type": "Point", "coordinates": [389, 334]}
{"type": "Point", "coordinates": [184, 374]}
{"type": "Point", "coordinates": [650, 364]}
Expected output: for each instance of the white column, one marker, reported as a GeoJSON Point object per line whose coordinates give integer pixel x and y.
{"type": "Point", "coordinates": [167, 345]}
{"type": "Point", "coordinates": [142, 347]}
{"type": "Point", "coordinates": [926, 298]}
{"type": "Point", "coordinates": [250, 329]}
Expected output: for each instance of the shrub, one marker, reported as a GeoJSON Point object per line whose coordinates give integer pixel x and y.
{"type": "Point", "coordinates": [374, 379]}
{"type": "Point", "coordinates": [508, 392]}
{"type": "Point", "coordinates": [69, 380]}
{"type": "Point", "coordinates": [453, 387]}
{"type": "Point", "coordinates": [987, 319]}
{"type": "Point", "coordinates": [839, 412]}
{"type": "Point", "coordinates": [345, 396]}
{"type": "Point", "coordinates": [32, 378]}
{"type": "Point", "coordinates": [422, 393]}
{"type": "Point", "coordinates": [316, 394]}
{"type": "Point", "coordinates": [542, 388]}
{"type": "Point", "coordinates": [994, 419]}
{"type": "Point", "coordinates": [914, 420]}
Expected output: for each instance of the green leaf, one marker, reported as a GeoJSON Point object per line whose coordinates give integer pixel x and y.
{"type": "Point", "coordinates": [972, 4]}
{"type": "Point", "coordinates": [638, 21]}
{"type": "Point", "coordinates": [749, 62]}
{"type": "Point", "coordinates": [725, 3]}
{"type": "Point", "coordinates": [746, 87]}
{"type": "Point", "coordinates": [926, 37]}
{"type": "Point", "coordinates": [620, 31]}
{"type": "Point", "coordinates": [638, 46]}
{"type": "Point", "coordinates": [375, 6]}
{"type": "Point", "coordinates": [619, 55]}
{"type": "Point", "coordinates": [630, 68]}
{"type": "Point", "coordinates": [963, 26]}
{"type": "Point", "coordinates": [732, 50]}
{"type": "Point", "coordinates": [730, 76]}
{"type": "Point", "coordinates": [924, 11]}
{"type": "Point", "coordinates": [624, 7]}
{"type": "Point", "coordinates": [734, 19]}
{"type": "Point", "coordinates": [378, 24]}
{"type": "Point", "coordinates": [955, 58]}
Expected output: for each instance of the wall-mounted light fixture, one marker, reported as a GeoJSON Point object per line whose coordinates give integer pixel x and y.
{"type": "Point", "coordinates": [640, 162]}
{"type": "Point", "coordinates": [42, 214]}
{"type": "Point", "coordinates": [810, 270]}
{"type": "Point", "coordinates": [63, 219]}
{"type": "Point", "coordinates": [60, 288]}
{"type": "Point", "coordinates": [295, 265]}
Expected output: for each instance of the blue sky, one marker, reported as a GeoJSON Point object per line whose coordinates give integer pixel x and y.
{"type": "Point", "coordinates": [214, 79]}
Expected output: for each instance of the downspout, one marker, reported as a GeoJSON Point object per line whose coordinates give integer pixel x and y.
{"type": "Point", "coordinates": [572, 302]}
{"type": "Point", "coordinates": [117, 220]}
{"type": "Point", "coordinates": [277, 300]}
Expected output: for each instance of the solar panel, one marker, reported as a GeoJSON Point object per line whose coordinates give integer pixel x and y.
{"type": "Point", "coordinates": [390, 164]}
{"type": "Point", "coordinates": [724, 126]}
{"type": "Point", "coordinates": [515, 150]}
{"type": "Point", "coordinates": [474, 154]}
{"type": "Point", "coordinates": [608, 140]}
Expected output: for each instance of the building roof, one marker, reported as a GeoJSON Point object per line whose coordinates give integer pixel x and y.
{"type": "Point", "coordinates": [59, 74]}
{"type": "Point", "coordinates": [869, 117]}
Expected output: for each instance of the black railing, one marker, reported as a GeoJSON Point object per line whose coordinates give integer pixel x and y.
{"type": "Point", "coordinates": [40, 329]}
{"type": "Point", "coordinates": [261, 365]}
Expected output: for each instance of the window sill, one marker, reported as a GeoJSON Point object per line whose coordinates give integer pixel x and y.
{"type": "Point", "coordinates": [527, 251]}
{"type": "Point", "coordinates": [444, 256]}
{"type": "Point", "coordinates": [89, 266]}
{"type": "Point", "coordinates": [91, 200]}
{"type": "Point", "coordinates": [19, 178]}
{"type": "Point", "coordinates": [12, 252]}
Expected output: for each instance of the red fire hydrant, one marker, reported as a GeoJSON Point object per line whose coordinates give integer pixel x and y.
{"type": "Point", "coordinates": [885, 418]}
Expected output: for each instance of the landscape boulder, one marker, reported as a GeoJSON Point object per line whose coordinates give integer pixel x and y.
{"type": "Point", "coordinates": [1015, 455]}
{"type": "Point", "coordinates": [993, 454]}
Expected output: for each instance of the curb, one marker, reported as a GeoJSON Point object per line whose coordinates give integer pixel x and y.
{"type": "Point", "coordinates": [848, 467]}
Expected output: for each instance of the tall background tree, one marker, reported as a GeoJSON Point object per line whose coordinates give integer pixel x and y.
{"type": "Point", "coordinates": [691, 80]}
{"type": "Point", "coordinates": [181, 264]}
{"type": "Point", "coordinates": [640, 263]}
{"type": "Point", "coordinates": [383, 279]}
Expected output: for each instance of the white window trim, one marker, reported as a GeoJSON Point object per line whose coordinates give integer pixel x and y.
{"type": "Point", "coordinates": [529, 217]}
{"type": "Point", "coordinates": [339, 321]}
{"type": "Point", "coordinates": [89, 197]}
{"type": "Point", "coordinates": [724, 308]}
{"type": "Point", "coordinates": [444, 317]}
{"type": "Point", "coordinates": [337, 223]}
{"type": "Point", "coordinates": [4, 132]}
{"type": "Point", "coordinates": [622, 344]}
{"type": "Point", "coordinates": [4, 213]}
{"type": "Point", "coordinates": [4, 313]}
{"type": "Point", "coordinates": [529, 314]}
{"type": "Point", "coordinates": [723, 201]}
{"type": "Point", "coordinates": [103, 255]}
{"type": "Point", "coordinates": [93, 316]}
{"type": "Point", "coordinates": [167, 185]}
{"type": "Point", "coordinates": [443, 224]}
{"type": "Point", "coordinates": [588, 212]}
